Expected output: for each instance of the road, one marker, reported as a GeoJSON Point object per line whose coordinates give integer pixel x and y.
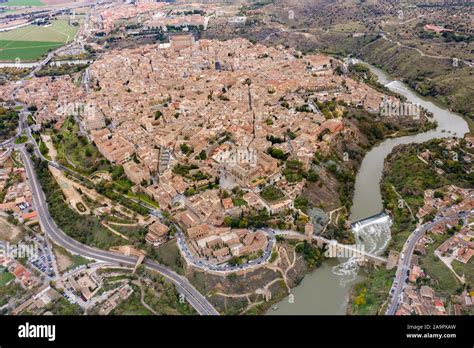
{"type": "Point", "coordinates": [224, 268]}
{"type": "Point", "coordinates": [52, 231]}
{"type": "Point", "coordinates": [401, 275]}
{"type": "Point", "coordinates": [423, 54]}
{"type": "Point", "coordinates": [330, 243]}
{"type": "Point", "coordinates": [21, 125]}
{"type": "Point", "coordinates": [221, 268]}
{"type": "Point", "coordinates": [382, 34]}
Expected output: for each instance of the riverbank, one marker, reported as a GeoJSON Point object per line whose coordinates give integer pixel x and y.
{"type": "Point", "coordinates": [410, 170]}
{"type": "Point", "coordinates": [255, 292]}
{"type": "Point", "coordinates": [367, 185]}
{"type": "Point", "coordinates": [443, 75]}
{"type": "Point", "coordinates": [333, 191]}
{"type": "Point", "coordinates": [440, 104]}
{"type": "Point", "coordinates": [438, 80]}
{"type": "Point", "coordinates": [367, 201]}
{"type": "Point", "coordinates": [369, 296]}
{"type": "Point", "coordinates": [403, 173]}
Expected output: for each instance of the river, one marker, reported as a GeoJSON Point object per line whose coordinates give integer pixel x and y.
{"type": "Point", "coordinates": [326, 290]}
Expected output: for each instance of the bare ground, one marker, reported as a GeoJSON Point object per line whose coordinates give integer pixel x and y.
{"type": "Point", "coordinates": [9, 232]}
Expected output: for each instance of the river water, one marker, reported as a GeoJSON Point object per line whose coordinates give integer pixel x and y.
{"type": "Point", "coordinates": [326, 290]}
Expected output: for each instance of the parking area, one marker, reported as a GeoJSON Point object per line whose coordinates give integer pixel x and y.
{"type": "Point", "coordinates": [44, 259]}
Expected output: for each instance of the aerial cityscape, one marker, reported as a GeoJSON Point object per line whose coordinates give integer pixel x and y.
{"type": "Point", "coordinates": [239, 157]}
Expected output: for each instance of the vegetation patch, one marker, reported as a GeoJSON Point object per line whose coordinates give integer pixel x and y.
{"type": "Point", "coordinates": [442, 279]}
{"type": "Point", "coordinates": [75, 151]}
{"type": "Point", "coordinates": [5, 278]}
{"type": "Point", "coordinates": [271, 193]}
{"type": "Point", "coordinates": [84, 228]}
{"type": "Point", "coordinates": [33, 41]}
{"type": "Point", "coordinates": [8, 123]}
{"type": "Point", "coordinates": [368, 296]}
{"type": "Point", "coordinates": [410, 177]}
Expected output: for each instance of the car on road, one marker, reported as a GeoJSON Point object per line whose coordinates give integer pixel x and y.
{"type": "Point", "coordinates": [394, 287]}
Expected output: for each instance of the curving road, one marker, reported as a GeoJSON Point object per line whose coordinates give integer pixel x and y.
{"type": "Point", "coordinates": [225, 268]}
{"type": "Point", "coordinates": [401, 275]}
{"type": "Point", "coordinates": [51, 230]}
{"type": "Point", "coordinates": [194, 297]}
{"type": "Point", "coordinates": [421, 53]}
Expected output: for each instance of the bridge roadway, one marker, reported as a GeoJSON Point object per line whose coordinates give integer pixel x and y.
{"type": "Point", "coordinates": [194, 297]}
{"type": "Point", "coordinates": [354, 251]}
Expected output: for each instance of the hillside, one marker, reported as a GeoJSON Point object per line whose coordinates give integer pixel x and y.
{"type": "Point", "coordinates": [389, 35]}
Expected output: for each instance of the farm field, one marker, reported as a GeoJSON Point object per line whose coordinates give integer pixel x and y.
{"type": "Point", "coordinates": [31, 42]}
{"type": "Point", "coordinates": [23, 3]}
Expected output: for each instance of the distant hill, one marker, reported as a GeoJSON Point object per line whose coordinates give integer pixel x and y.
{"type": "Point", "coordinates": [359, 27]}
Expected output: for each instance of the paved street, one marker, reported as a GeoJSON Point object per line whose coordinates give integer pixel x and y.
{"type": "Point", "coordinates": [196, 299]}
{"type": "Point", "coordinates": [401, 275]}
{"type": "Point", "coordinates": [225, 267]}
{"type": "Point", "coordinates": [52, 231]}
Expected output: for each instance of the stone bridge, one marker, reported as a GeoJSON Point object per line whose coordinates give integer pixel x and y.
{"type": "Point", "coordinates": [334, 248]}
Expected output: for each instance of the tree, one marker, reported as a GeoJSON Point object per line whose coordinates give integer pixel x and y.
{"type": "Point", "coordinates": [235, 260]}
{"type": "Point", "coordinates": [202, 155]}
{"type": "Point", "coordinates": [311, 254]}
{"type": "Point", "coordinates": [228, 221]}
{"type": "Point", "coordinates": [360, 299]}
{"type": "Point", "coordinates": [117, 173]}
{"type": "Point", "coordinates": [186, 149]}
{"type": "Point", "coordinates": [313, 176]}
{"type": "Point", "coordinates": [277, 153]}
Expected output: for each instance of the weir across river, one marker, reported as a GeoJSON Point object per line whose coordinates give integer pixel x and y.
{"type": "Point", "coordinates": [333, 281]}
{"type": "Point", "coordinates": [380, 217]}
